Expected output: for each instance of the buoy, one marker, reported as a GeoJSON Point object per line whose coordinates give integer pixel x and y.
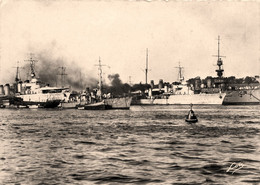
{"type": "Point", "coordinates": [191, 118]}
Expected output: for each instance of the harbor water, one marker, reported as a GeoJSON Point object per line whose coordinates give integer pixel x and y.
{"type": "Point", "coordinates": [143, 145]}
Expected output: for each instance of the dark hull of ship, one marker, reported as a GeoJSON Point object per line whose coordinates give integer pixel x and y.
{"type": "Point", "coordinates": [241, 103]}
{"type": "Point", "coordinates": [10, 100]}
{"type": "Point", "coordinates": [109, 107]}
{"type": "Point", "coordinates": [47, 104]}
{"type": "Point", "coordinates": [108, 104]}
{"type": "Point", "coordinates": [95, 107]}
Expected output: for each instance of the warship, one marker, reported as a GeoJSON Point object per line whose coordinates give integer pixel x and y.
{"type": "Point", "coordinates": [97, 100]}
{"type": "Point", "coordinates": [181, 93]}
{"type": "Point", "coordinates": [195, 91]}
{"type": "Point", "coordinates": [33, 93]}
{"type": "Point", "coordinates": [247, 94]}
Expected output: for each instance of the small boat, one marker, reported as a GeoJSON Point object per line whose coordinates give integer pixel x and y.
{"type": "Point", "coordinates": [92, 106]}
{"type": "Point", "coordinates": [191, 117]}
{"type": "Point", "coordinates": [22, 106]}
{"type": "Point", "coordinates": [33, 106]}
{"type": "Point", "coordinates": [68, 105]}
{"type": "Point", "coordinates": [95, 106]}
{"type": "Point", "coordinates": [81, 107]}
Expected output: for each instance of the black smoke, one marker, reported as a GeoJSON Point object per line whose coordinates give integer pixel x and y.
{"type": "Point", "coordinates": [117, 88]}
{"type": "Point", "coordinates": [49, 69]}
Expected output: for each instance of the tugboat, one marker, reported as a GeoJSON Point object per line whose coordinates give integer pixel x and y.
{"type": "Point", "coordinates": [191, 118]}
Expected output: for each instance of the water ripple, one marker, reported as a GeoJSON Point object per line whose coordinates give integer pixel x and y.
{"type": "Point", "coordinates": [143, 145]}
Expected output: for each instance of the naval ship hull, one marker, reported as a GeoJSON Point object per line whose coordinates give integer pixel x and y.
{"type": "Point", "coordinates": [106, 104]}
{"type": "Point", "coordinates": [18, 102]}
{"type": "Point", "coordinates": [49, 100]}
{"type": "Point", "coordinates": [118, 103]}
{"type": "Point", "coordinates": [47, 104]}
{"type": "Point", "coordinates": [244, 97]}
{"type": "Point", "coordinates": [199, 99]}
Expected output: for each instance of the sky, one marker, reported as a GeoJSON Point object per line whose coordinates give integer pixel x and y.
{"type": "Point", "coordinates": [79, 32]}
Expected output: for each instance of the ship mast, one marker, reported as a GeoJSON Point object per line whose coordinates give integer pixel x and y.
{"type": "Point", "coordinates": [220, 69]}
{"type": "Point", "coordinates": [63, 74]}
{"type": "Point", "coordinates": [130, 82]}
{"type": "Point", "coordinates": [146, 68]}
{"type": "Point", "coordinates": [100, 84]}
{"type": "Point", "coordinates": [32, 66]}
{"type": "Point", "coordinates": [17, 76]}
{"type": "Point", "coordinates": [100, 77]}
{"type": "Point", "coordinates": [180, 75]}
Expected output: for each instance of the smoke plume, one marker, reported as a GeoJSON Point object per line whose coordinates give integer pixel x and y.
{"type": "Point", "coordinates": [49, 70]}
{"type": "Point", "coordinates": [117, 87]}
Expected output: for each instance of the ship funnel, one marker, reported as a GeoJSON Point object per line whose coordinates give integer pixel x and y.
{"type": "Point", "coordinates": [209, 82]}
{"type": "Point", "coordinates": [2, 90]}
{"type": "Point", "coordinates": [7, 89]}
{"type": "Point", "coordinates": [150, 92]}
{"type": "Point", "coordinates": [19, 87]}
{"type": "Point", "coordinates": [152, 84]}
{"type": "Point", "coordinates": [197, 83]}
{"type": "Point", "coordinates": [160, 84]}
{"type": "Point", "coordinates": [166, 89]}
{"type": "Point", "coordinates": [87, 90]}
